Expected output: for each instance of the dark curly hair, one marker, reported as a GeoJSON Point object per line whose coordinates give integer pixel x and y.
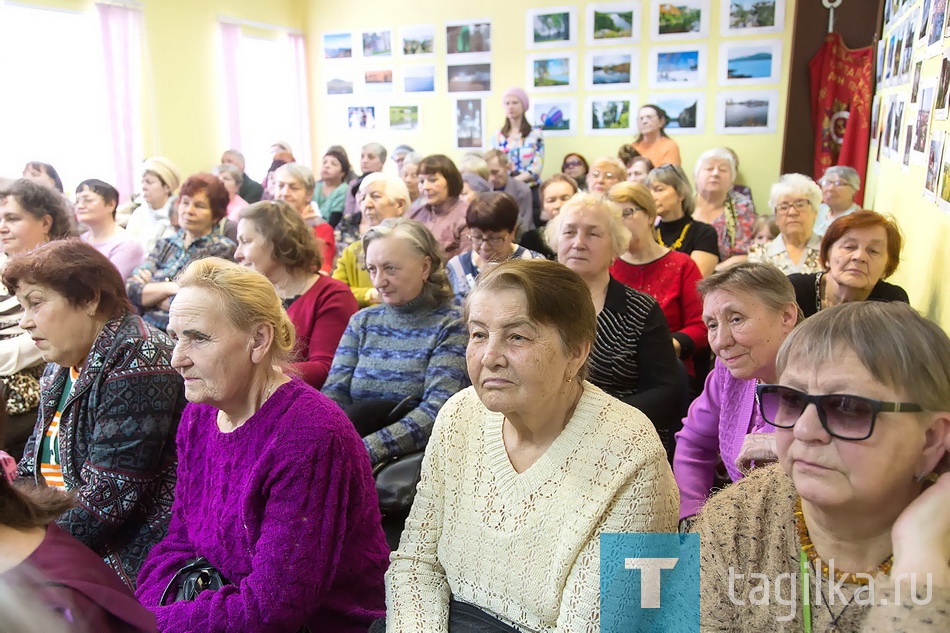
{"type": "Point", "coordinates": [40, 201]}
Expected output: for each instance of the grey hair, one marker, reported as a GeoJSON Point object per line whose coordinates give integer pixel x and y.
{"type": "Point", "coordinates": [236, 154]}
{"type": "Point", "coordinates": [393, 187]}
{"type": "Point", "coordinates": [619, 233]}
{"type": "Point", "coordinates": [421, 239]}
{"type": "Point", "coordinates": [231, 169]}
{"type": "Point", "coordinates": [764, 281]}
{"type": "Point", "coordinates": [412, 158]}
{"type": "Point", "coordinates": [848, 174]}
{"type": "Point", "coordinates": [378, 149]}
{"type": "Point", "coordinates": [473, 163]}
{"type": "Point", "coordinates": [716, 153]}
{"type": "Point", "coordinates": [674, 176]}
{"type": "Point", "coordinates": [795, 184]}
{"type": "Point", "coordinates": [300, 173]}
{"type": "Point", "coordinates": [899, 348]}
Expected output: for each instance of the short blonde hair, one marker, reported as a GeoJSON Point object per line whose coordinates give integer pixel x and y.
{"type": "Point", "coordinates": [475, 164]}
{"type": "Point", "coordinates": [898, 347]}
{"type": "Point", "coordinates": [795, 184]}
{"type": "Point", "coordinates": [627, 192]}
{"type": "Point", "coordinates": [619, 233]}
{"type": "Point", "coordinates": [615, 163]}
{"type": "Point", "coordinates": [249, 299]}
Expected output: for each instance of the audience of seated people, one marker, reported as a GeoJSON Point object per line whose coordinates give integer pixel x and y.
{"type": "Point", "coordinates": [556, 352]}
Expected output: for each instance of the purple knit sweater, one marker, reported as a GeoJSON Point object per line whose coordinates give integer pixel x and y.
{"type": "Point", "coordinates": [285, 507]}
{"type": "Point", "coordinates": [716, 425]}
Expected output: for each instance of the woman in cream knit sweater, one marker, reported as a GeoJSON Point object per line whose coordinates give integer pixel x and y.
{"type": "Point", "coordinates": [525, 470]}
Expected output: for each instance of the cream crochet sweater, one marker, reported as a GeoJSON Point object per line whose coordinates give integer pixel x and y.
{"type": "Point", "coordinates": [525, 547]}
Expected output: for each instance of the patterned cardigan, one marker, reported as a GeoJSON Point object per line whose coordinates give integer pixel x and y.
{"type": "Point", "coordinates": [117, 442]}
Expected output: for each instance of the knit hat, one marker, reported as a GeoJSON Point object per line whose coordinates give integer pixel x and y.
{"type": "Point", "coordinates": [520, 94]}
{"type": "Point", "coordinates": [165, 169]}
{"type": "Point", "coordinates": [342, 158]}
{"type": "Point", "coordinates": [476, 183]}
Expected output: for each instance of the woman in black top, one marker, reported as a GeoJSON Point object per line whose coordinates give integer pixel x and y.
{"type": "Point", "coordinates": [858, 252]}
{"type": "Point", "coordinates": [632, 358]}
{"type": "Point", "coordinates": [677, 228]}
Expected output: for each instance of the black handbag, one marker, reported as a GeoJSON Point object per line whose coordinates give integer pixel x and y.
{"type": "Point", "coordinates": [196, 576]}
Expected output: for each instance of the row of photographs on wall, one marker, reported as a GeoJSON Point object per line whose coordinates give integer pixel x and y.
{"type": "Point", "coordinates": [682, 66]}
{"type": "Point", "coordinates": [902, 130]}
{"type": "Point", "coordinates": [915, 33]}
{"type": "Point", "coordinates": [607, 24]}
{"type": "Point", "coordinates": [928, 17]}
{"type": "Point", "coordinates": [746, 112]}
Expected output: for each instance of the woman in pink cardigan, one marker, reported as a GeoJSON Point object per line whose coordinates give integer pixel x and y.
{"type": "Point", "coordinates": [748, 309]}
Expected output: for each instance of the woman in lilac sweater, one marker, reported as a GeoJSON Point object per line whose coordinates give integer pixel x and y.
{"type": "Point", "coordinates": [748, 309]}
{"type": "Point", "coordinates": [274, 485]}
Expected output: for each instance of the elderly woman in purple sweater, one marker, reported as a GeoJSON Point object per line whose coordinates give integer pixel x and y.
{"type": "Point", "coordinates": [274, 485]}
{"type": "Point", "coordinates": [748, 309]}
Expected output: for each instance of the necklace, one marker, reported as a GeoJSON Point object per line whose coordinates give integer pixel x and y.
{"type": "Point", "coordinates": [808, 548]}
{"type": "Point", "coordinates": [679, 241]}
{"type": "Point", "coordinates": [818, 291]}
{"type": "Point", "coordinates": [225, 419]}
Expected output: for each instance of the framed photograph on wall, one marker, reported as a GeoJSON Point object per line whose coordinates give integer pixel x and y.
{"type": "Point", "coordinates": [404, 118]}
{"type": "Point", "coordinates": [752, 17]}
{"type": "Point", "coordinates": [609, 114]}
{"type": "Point", "coordinates": [341, 79]}
{"type": "Point", "coordinates": [680, 20]}
{"type": "Point", "coordinates": [337, 45]}
{"type": "Point", "coordinates": [361, 117]}
{"type": "Point", "coordinates": [613, 24]}
{"type": "Point", "coordinates": [551, 27]}
{"type": "Point", "coordinates": [612, 68]}
{"type": "Point", "coordinates": [558, 117]}
{"type": "Point", "coordinates": [747, 112]}
{"type": "Point", "coordinates": [468, 36]}
{"type": "Point", "coordinates": [750, 62]}
{"type": "Point", "coordinates": [686, 111]}
{"type": "Point", "coordinates": [419, 78]}
{"type": "Point", "coordinates": [475, 77]}
{"type": "Point", "coordinates": [551, 72]}
{"type": "Point", "coordinates": [377, 43]}
{"type": "Point", "coordinates": [378, 81]}
{"type": "Point", "coordinates": [681, 66]}
{"type": "Point", "coordinates": [417, 41]}
{"type": "Point", "coordinates": [469, 123]}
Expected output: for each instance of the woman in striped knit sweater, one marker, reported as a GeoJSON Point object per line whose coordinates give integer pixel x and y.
{"type": "Point", "coordinates": [411, 346]}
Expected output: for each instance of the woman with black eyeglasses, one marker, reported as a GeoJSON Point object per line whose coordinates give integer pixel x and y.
{"type": "Point", "coordinates": [794, 200]}
{"type": "Point", "coordinates": [748, 311]}
{"type": "Point", "coordinates": [856, 514]}
{"type": "Point", "coordinates": [491, 221]}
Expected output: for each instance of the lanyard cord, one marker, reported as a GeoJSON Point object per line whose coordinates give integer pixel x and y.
{"type": "Point", "coordinates": [806, 597]}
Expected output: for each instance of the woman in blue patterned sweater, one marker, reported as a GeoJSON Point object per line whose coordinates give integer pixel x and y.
{"type": "Point", "coordinates": [411, 346]}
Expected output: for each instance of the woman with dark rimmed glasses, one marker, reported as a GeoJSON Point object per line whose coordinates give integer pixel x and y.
{"type": "Point", "coordinates": [856, 513]}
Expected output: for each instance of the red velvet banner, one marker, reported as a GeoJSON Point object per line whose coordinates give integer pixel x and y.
{"type": "Point", "coordinates": [841, 106]}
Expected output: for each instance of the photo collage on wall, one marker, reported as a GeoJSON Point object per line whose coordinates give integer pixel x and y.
{"type": "Point", "coordinates": [909, 111]}
{"type": "Point", "coordinates": [381, 75]}
{"type": "Point", "coordinates": [678, 65]}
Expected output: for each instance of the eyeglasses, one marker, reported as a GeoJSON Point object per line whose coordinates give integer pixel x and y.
{"type": "Point", "coordinates": [479, 239]}
{"type": "Point", "coordinates": [602, 174]}
{"type": "Point", "coordinates": [835, 183]}
{"type": "Point", "coordinates": [571, 163]}
{"type": "Point", "coordinates": [843, 416]}
{"type": "Point", "coordinates": [628, 211]}
{"type": "Point", "coordinates": [783, 207]}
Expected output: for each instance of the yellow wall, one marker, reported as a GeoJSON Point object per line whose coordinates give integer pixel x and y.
{"type": "Point", "coordinates": [760, 154]}
{"type": "Point", "coordinates": [890, 189]}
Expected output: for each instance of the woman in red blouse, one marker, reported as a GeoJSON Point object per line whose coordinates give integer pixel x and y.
{"type": "Point", "coordinates": [274, 240]}
{"type": "Point", "coordinates": [668, 275]}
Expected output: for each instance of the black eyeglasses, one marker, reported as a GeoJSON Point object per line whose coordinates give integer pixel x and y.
{"type": "Point", "coordinates": [843, 416]}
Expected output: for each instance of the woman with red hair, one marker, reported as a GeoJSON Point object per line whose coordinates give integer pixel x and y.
{"type": "Point", "coordinates": [203, 202]}
{"type": "Point", "coordinates": [858, 252]}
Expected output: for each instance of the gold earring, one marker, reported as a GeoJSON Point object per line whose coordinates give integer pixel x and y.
{"type": "Point", "coordinates": [570, 379]}
{"type": "Point", "coordinates": [928, 479]}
